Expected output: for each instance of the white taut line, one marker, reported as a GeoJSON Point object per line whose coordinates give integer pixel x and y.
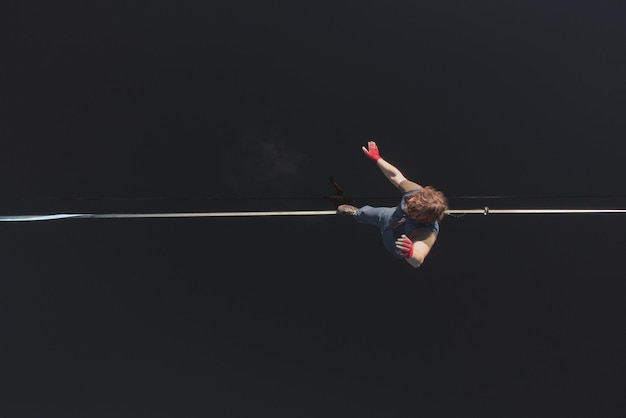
{"type": "Point", "coordinates": [160, 215]}
{"type": "Point", "coordinates": [483, 211]}
{"type": "Point", "coordinates": [488, 211]}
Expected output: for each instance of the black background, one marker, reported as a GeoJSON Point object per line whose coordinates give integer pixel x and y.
{"type": "Point", "coordinates": [206, 106]}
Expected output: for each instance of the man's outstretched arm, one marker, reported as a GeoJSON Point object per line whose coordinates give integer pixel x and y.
{"type": "Point", "coordinates": [390, 171]}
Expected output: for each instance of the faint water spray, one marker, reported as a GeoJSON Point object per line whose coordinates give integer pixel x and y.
{"type": "Point", "coordinates": [267, 162]}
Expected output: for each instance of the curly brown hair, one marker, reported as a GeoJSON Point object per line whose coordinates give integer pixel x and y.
{"type": "Point", "coordinates": [428, 206]}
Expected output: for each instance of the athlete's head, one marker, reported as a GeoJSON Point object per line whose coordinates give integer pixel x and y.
{"type": "Point", "coordinates": [427, 206]}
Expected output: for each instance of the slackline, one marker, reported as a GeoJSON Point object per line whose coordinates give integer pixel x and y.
{"type": "Point", "coordinates": [482, 211]}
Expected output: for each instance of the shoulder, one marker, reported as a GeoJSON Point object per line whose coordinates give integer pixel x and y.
{"type": "Point", "coordinates": [406, 186]}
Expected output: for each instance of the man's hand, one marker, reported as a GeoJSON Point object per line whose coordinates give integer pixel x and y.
{"type": "Point", "coordinates": [372, 152]}
{"type": "Point", "coordinates": [405, 246]}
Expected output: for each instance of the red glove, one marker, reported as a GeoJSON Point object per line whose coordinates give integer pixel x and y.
{"type": "Point", "coordinates": [372, 152]}
{"type": "Point", "coordinates": [405, 246]}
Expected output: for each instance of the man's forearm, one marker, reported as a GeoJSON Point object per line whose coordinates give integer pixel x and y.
{"type": "Point", "coordinates": [390, 171]}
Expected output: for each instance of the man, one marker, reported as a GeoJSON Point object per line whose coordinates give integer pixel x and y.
{"type": "Point", "coordinates": [410, 229]}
